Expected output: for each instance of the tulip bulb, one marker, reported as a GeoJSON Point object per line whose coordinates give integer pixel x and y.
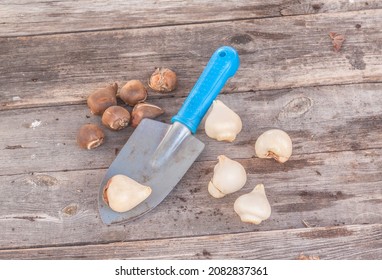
{"type": "Point", "coordinates": [122, 193]}
{"type": "Point", "coordinates": [222, 123]}
{"type": "Point", "coordinates": [253, 207]}
{"type": "Point", "coordinates": [163, 80]}
{"type": "Point", "coordinates": [90, 136]}
{"type": "Point", "coordinates": [229, 176]}
{"type": "Point", "coordinates": [101, 99]}
{"type": "Point", "coordinates": [275, 144]}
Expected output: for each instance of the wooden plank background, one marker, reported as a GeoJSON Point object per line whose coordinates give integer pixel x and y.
{"type": "Point", "coordinates": [364, 242]}
{"type": "Point", "coordinates": [28, 17]}
{"type": "Point", "coordinates": [64, 68]}
{"type": "Point", "coordinates": [290, 78]}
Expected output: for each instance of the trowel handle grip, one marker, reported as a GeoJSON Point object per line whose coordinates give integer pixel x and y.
{"type": "Point", "coordinates": [223, 65]}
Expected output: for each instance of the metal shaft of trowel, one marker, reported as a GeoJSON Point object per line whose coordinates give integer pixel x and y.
{"type": "Point", "coordinates": [173, 138]}
{"type": "Point", "coordinates": [222, 65]}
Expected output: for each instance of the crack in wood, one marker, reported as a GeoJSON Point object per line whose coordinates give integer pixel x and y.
{"type": "Point", "coordinates": [326, 233]}
{"type": "Point", "coordinates": [28, 218]}
{"type": "Point", "coordinates": [269, 35]}
{"type": "Point", "coordinates": [13, 147]}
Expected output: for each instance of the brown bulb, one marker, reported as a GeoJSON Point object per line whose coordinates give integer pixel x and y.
{"type": "Point", "coordinates": [116, 117]}
{"type": "Point", "coordinates": [144, 110]}
{"type": "Point", "coordinates": [163, 80]}
{"type": "Point", "coordinates": [133, 92]}
{"type": "Point", "coordinates": [103, 98]}
{"type": "Point", "coordinates": [90, 136]}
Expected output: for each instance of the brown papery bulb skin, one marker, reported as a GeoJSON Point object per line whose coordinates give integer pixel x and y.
{"type": "Point", "coordinates": [103, 98]}
{"type": "Point", "coordinates": [163, 80]}
{"type": "Point", "coordinates": [133, 92]}
{"type": "Point", "coordinates": [144, 110]}
{"type": "Point", "coordinates": [116, 117]}
{"type": "Point", "coordinates": [90, 136]}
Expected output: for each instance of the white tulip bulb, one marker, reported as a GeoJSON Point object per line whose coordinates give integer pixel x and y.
{"type": "Point", "coordinates": [222, 123]}
{"type": "Point", "coordinates": [229, 176]}
{"type": "Point", "coordinates": [122, 193]}
{"type": "Point", "coordinates": [275, 144]}
{"type": "Point", "coordinates": [253, 207]}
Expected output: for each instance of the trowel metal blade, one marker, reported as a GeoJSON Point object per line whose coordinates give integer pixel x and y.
{"type": "Point", "coordinates": [137, 160]}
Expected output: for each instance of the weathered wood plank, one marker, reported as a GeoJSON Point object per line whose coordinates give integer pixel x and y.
{"type": "Point", "coordinates": [63, 69]}
{"type": "Point", "coordinates": [325, 189]}
{"type": "Point", "coordinates": [28, 17]}
{"type": "Point", "coordinates": [362, 242]}
{"type": "Point", "coordinates": [333, 178]}
{"type": "Point", "coordinates": [319, 119]}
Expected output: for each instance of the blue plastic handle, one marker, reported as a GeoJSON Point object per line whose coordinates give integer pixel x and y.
{"type": "Point", "coordinates": [223, 65]}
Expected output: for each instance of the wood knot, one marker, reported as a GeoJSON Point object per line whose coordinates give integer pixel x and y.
{"type": "Point", "coordinates": [70, 210]}
{"type": "Point", "coordinates": [241, 39]}
{"type": "Point", "coordinates": [295, 108]}
{"type": "Point", "coordinates": [42, 180]}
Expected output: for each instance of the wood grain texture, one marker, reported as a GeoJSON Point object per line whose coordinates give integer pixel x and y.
{"type": "Point", "coordinates": [362, 242]}
{"type": "Point", "coordinates": [64, 69]}
{"type": "Point", "coordinates": [324, 189]}
{"type": "Point", "coordinates": [318, 119]}
{"type": "Point", "coordinates": [28, 17]}
{"type": "Point", "coordinates": [54, 53]}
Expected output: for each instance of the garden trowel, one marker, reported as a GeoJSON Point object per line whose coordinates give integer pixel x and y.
{"type": "Point", "coordinates": [159, 154]}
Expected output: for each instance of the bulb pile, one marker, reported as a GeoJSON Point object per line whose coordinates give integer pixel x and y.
{"type": "Point", "coordinates": [223, 124]}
